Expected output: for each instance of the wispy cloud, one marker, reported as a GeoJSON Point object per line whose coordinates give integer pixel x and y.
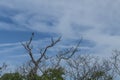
{"type": "Point", "coordinates": [96, 21]}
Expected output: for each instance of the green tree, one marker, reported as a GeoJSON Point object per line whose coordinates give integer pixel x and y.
{"type": "Point", "coordinates": [53, 74]}
{"type": "Point", "coordinates": [11, 76]}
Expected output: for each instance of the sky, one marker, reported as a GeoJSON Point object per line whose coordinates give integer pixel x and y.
{"type": "Point", "coordinates": [97, 22]}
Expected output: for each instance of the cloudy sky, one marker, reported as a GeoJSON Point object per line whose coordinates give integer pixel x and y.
{"type": "Point", "coordinates": [96, 21]}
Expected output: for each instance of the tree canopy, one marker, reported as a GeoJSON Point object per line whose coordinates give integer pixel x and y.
{"type": "Point", "coordinates": [65, 65]}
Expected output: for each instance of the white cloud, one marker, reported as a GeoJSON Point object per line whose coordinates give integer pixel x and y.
{"type": "Point", "coordinates": [68, 17]}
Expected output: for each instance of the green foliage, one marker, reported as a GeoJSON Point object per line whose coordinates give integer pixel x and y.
{"type": "Point", "coordinates": [11, 76]}
{"type": "Point", "coordinates": [33, 77]}
{"type": "Point", "coordinates": [53, 74]}
{"type": "Point", "coordinates": [100, 75]}
{"type": "Point", "coordinates": [49, 74]}
{"type": "Point", "coordinates": [97, 74]}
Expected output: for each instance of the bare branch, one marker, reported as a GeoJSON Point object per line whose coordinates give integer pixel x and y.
{"type": "Point", "coordinates": [68, 53]}
{"type": "Point", "coordinates": [28, 47]}
{"type": "Point", "coordinates": [47, 47]}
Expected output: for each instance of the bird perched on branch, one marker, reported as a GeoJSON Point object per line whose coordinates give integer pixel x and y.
{"type": "Point", "coordinates": [32, 33]}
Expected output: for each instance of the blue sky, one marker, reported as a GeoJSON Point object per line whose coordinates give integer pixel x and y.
{"type": "Point", "coordinates": [97, 22]}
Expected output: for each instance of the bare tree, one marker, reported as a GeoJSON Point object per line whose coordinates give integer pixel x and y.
{"type": "Point", "coordinates": [29, 49]}
{"type": "Point", "coordinates": [89, 68]}
{"type": "Point", "coordinates": [65, 55]}
{"type": "Point", "coordinates": [3, 67]}
{"type": "Point", "coordinates": [34, 63]}
{"type": "Point", "coordinates": [115, 60]}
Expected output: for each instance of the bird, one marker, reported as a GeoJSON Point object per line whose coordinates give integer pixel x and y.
{"type": "Point", "coordinates": [32, 33]}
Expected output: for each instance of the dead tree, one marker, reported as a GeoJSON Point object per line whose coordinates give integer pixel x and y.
{"type": "Point", "coordinates": [66, 54]}
{"type": "Point", "coordinates": [3, 67]}
{"type": "Point", "coordinates": [85, 67]}
{"type": "Point", "coordinates": [115, 60]}
{"type": "Point", "coordinates": [29, 49]}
